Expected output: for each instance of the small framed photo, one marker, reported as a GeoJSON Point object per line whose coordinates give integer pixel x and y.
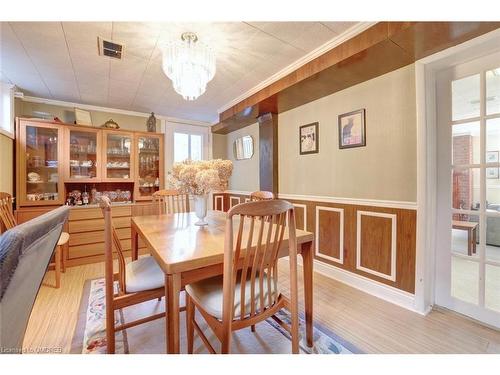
{"type": "Point", "coordinates": [309, 138]}
{"type": "Point", "coordinates": [83, 117]}
{"type": "Point", "coordinates": [492, 157]}
{"type": "Point", "coordinates": [352, 129]}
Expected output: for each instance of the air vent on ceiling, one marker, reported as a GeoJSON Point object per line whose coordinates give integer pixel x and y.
{"type": "Point", "coordinates": [110, 49]}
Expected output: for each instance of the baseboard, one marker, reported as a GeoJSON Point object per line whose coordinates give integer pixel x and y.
{"type": "Point", "coordinates": [382, 291]}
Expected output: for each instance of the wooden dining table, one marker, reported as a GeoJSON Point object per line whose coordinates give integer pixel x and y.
{"type": "Point", "coordinates": [187, 253]}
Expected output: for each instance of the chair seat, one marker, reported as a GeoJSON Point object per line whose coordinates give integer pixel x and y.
{"type": "Point", "coordinates": [63, 239]}
{"type": "Point", "coordinates": [209, 295]}
{"type": "Point", "coordinates": [143, 274]}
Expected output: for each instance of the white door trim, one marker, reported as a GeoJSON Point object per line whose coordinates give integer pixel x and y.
{"type": "Point", "coordinates": [425, 81]}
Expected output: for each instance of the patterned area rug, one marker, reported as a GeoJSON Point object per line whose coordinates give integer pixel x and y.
{"type": "Point", "coordinates": [270, 337]}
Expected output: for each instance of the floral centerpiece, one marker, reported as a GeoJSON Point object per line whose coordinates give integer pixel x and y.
{"type": "Point", "coordinates": [199, 178]}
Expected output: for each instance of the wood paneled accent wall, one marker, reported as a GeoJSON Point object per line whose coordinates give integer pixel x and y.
{"type": "Point", "coordinates": [268, 152]}
{"type": "Point", "coordinates": [375, 242]}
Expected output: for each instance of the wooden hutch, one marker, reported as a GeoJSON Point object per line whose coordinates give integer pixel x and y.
{"type": "Point", "coordinates": [54, 159]}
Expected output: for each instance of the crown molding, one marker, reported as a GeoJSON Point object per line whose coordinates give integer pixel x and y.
{"type": "Point", "coordinates": [332, 43]}
{"type": "Point", "coordinates": [88, 107]}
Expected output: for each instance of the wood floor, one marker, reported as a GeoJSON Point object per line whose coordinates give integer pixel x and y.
{"type": "Point", "coordinates": [371, 324]}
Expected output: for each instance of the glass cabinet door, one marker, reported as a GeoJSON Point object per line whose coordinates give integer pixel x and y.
{"type": "Point", "coordinates": [40, 181]}
{"type": "Point", "coordinates": [149, 164]}
{"type": "Point", "coordinates": [118, 156]}
{"type": "Point", "coordinates": [83, 155]}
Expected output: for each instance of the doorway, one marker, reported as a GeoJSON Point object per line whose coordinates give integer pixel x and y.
{"type": "Point", "coordinates": [468, 189]}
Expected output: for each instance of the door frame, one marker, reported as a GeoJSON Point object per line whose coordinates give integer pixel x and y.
{"type": "Point", "coordinates": [426, 71]}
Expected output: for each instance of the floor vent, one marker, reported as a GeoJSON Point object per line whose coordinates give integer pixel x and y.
{"type": "Point", "coordinates": [110, 49]}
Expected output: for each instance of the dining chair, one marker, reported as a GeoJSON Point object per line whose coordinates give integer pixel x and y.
{"type": "Point", "coordinates": [139, 281]}
{"type": "Point", "coordinates": [247, 293]}
{"type": "Point", "coordinates": [170, 201]}
{"type": "Point", "coordinates": [9, 221]}
{"type": "Point", "coordinates": [261, 195]}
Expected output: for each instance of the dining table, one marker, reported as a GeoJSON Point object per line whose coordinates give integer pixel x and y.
{"type": "Point", "coordinates": [187, 253]}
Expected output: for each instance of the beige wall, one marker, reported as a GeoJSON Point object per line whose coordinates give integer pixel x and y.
{"type": "Point", "coordinates": [385, 169]}
{"type": "Point", "coordinates": [67, 115]}
{"type": "Point", "coordinates": [245, 172]}
{"type": "Point", "coordinates": [6, 164]}
{"type": "Point", "coordinates": [219, 146]}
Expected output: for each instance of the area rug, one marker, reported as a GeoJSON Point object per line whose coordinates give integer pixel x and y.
{"type": "Point", "coordinates": [269, 338]}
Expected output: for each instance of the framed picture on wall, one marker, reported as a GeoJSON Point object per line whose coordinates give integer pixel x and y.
{"type": "Point", "coordinates": [492, 157]}
{"type": "Point", "coordinates": [352, 129]}
{"type": "Point", "coordinates": [309, 138]}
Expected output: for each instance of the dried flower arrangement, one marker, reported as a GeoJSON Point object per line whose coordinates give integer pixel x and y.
{"type": "Point", "coordinates": [200, 177]}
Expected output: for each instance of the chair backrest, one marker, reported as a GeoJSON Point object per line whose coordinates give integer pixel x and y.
{"type": "Point", "coordinates": [25, 253]}
{"type": "Point", "coordinates": [111, 240]}
{"type": "Point", "coordinates": [170, 201]}
{"type": "Point", "coordinates": [251, 257]}
{"type": "Point", "coordinates": [6, 211]}
{"type": "Point", "coordinates": [261, 196]}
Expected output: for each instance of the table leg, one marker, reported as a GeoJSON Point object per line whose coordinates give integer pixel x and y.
{"type": "Point", "coordinates": [135, 243]}
{"type": "Point", "coordinates": [58, 266]}
{"type": "Point", "coordinates": [172, 291]}
{"type": "Point", "coordinates": [474, 240]}
{"type": "Point", "coordinates": [469, 242]}
{"type": "Point", "coordinates": [307, 261]}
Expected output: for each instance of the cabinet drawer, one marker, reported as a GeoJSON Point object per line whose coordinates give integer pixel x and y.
{"type": "Point", "coordinates": [93, 249]}
{"type": "Point", "coordinates": [96, 236]}
{"type": "Point", "coordinates": [97, 224]}
{"type": "Point", "coordinates": [96, 213]}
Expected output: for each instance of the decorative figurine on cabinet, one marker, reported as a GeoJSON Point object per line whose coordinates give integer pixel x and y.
{"type": "Point", "coordinates": [110, 124]}
{"type": "Point", "coordinates": [151, 123]}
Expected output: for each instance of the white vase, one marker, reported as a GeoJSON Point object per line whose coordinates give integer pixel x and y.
{"type": "Point", "coordinates": [200, 208]}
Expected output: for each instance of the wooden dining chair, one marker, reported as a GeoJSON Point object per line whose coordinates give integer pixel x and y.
{"type": "Point", "coordinates": [9, 221]}
{"type": "Point", "coordinates": [261, 196]}
{"type": "Point", "coordinates": [170, 201]}
{"type": "Point", "coordinates": [139, 281]}
{"type": "Point", "coordinates": [247, 293]}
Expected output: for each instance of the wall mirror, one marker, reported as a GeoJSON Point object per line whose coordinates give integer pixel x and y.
{"type": "Point", "coordinates": [243, 147]}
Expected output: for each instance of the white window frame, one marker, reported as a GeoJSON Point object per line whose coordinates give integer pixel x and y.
{"type": "Point", "coordinates": [190, 134]}
{"type": "Point", "coordinates": [7, 110]}
{"type": "Point", "coordinates": [169, 128]}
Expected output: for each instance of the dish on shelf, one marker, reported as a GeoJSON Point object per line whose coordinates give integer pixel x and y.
{"type": "Point", "coordinates": [34, 177]}
{"type": "Point", "coordinates": [117, 164]}
{"type": "Point", "coordinates": [42, 196]}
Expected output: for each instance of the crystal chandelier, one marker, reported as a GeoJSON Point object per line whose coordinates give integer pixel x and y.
{"type": "Point", "coordinates": [190, 65]}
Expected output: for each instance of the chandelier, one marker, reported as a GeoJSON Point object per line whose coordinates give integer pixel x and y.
{"type": "Point", "coordinates": [190, 65]}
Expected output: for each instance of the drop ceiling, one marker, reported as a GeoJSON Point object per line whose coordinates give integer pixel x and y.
{"type": "Point", "coordinates": [60, 61]}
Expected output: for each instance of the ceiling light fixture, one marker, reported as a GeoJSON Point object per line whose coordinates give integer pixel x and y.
{"type": "Point", "coordinates": [190, 65]}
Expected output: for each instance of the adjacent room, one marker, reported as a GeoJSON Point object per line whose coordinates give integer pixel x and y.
{"type": "Point", "coordinates": [267, 187]}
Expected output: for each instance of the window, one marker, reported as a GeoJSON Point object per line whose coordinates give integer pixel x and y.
{"type": "Point", "coordinates": [187, 146]}
{"type": "Point", "coordinates": [6, 110]}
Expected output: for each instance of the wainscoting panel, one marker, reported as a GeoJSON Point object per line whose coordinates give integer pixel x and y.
{"type": "Point", "coordinates": [376, 248]}
{"type": "Point", "coordinates": [330, 233]}
{"type": "Point", "coordinates": [218, 202]}
{"type": "Point", "coordinates": [233, 201]}
{"type": "Point", "coordinates": [380, 245]}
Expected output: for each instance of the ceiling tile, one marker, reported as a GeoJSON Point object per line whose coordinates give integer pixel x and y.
{"type": "Point", "coordinates": [303, 35]}
{"type": "Point", "coordinates": [339, 27]}
{"type": "Point", "coordinates": [131, 68]}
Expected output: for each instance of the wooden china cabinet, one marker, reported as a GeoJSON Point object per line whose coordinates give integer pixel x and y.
{"type": "Point", "coordinates": [39, 164]}
{"type": "Point", "coordinates": [83, 154]}
{"type": "Point", "coordinates": [119, 156]}
{"type": "Point", "coordinates": [149, 165]}
{"type": "Point", "coordinates": [54, 159]}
